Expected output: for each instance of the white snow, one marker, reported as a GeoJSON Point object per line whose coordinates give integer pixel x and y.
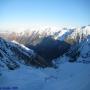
{"type": "Point", "coordinates": [68, 76]}
{"type": "Point", "coordinates": [26, 48]}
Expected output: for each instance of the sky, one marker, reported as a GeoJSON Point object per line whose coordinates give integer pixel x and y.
{"type": "Point", "coordinates": [25, 13]}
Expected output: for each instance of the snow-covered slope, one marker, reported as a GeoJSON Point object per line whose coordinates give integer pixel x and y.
{"type": "Point", "coordinates": [13, 53]}
{"type": "Point", "coordinates": [64, 33]}
{"type": "Point", "coordinates": [67, 75]}
{"type": "Point", "coordinates": [85, 51]}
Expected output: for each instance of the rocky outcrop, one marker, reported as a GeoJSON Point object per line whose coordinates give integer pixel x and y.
{"type": "Point", "coordinates": [12, 54]}
{"type": "Point", "coordinates": [49, 48]}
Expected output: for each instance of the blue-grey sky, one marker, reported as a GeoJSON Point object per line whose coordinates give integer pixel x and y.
{"type": "Point", "coordinates": [55, 12]}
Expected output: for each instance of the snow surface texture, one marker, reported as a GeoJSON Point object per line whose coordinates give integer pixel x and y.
{"type": "Point", "coordinates": [68, 76]}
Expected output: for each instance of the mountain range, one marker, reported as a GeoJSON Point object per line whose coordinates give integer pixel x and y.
{"type": "Point", "coordinates": [57, 61]}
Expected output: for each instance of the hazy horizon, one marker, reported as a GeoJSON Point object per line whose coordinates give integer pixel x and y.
{"type": "Point", "coordinates": [24, 14]}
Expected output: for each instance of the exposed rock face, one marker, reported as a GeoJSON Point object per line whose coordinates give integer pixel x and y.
{"type": "Point", "coordinates": [12, 54]}
{"type": "Point", "coordinates": [50, 48]}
